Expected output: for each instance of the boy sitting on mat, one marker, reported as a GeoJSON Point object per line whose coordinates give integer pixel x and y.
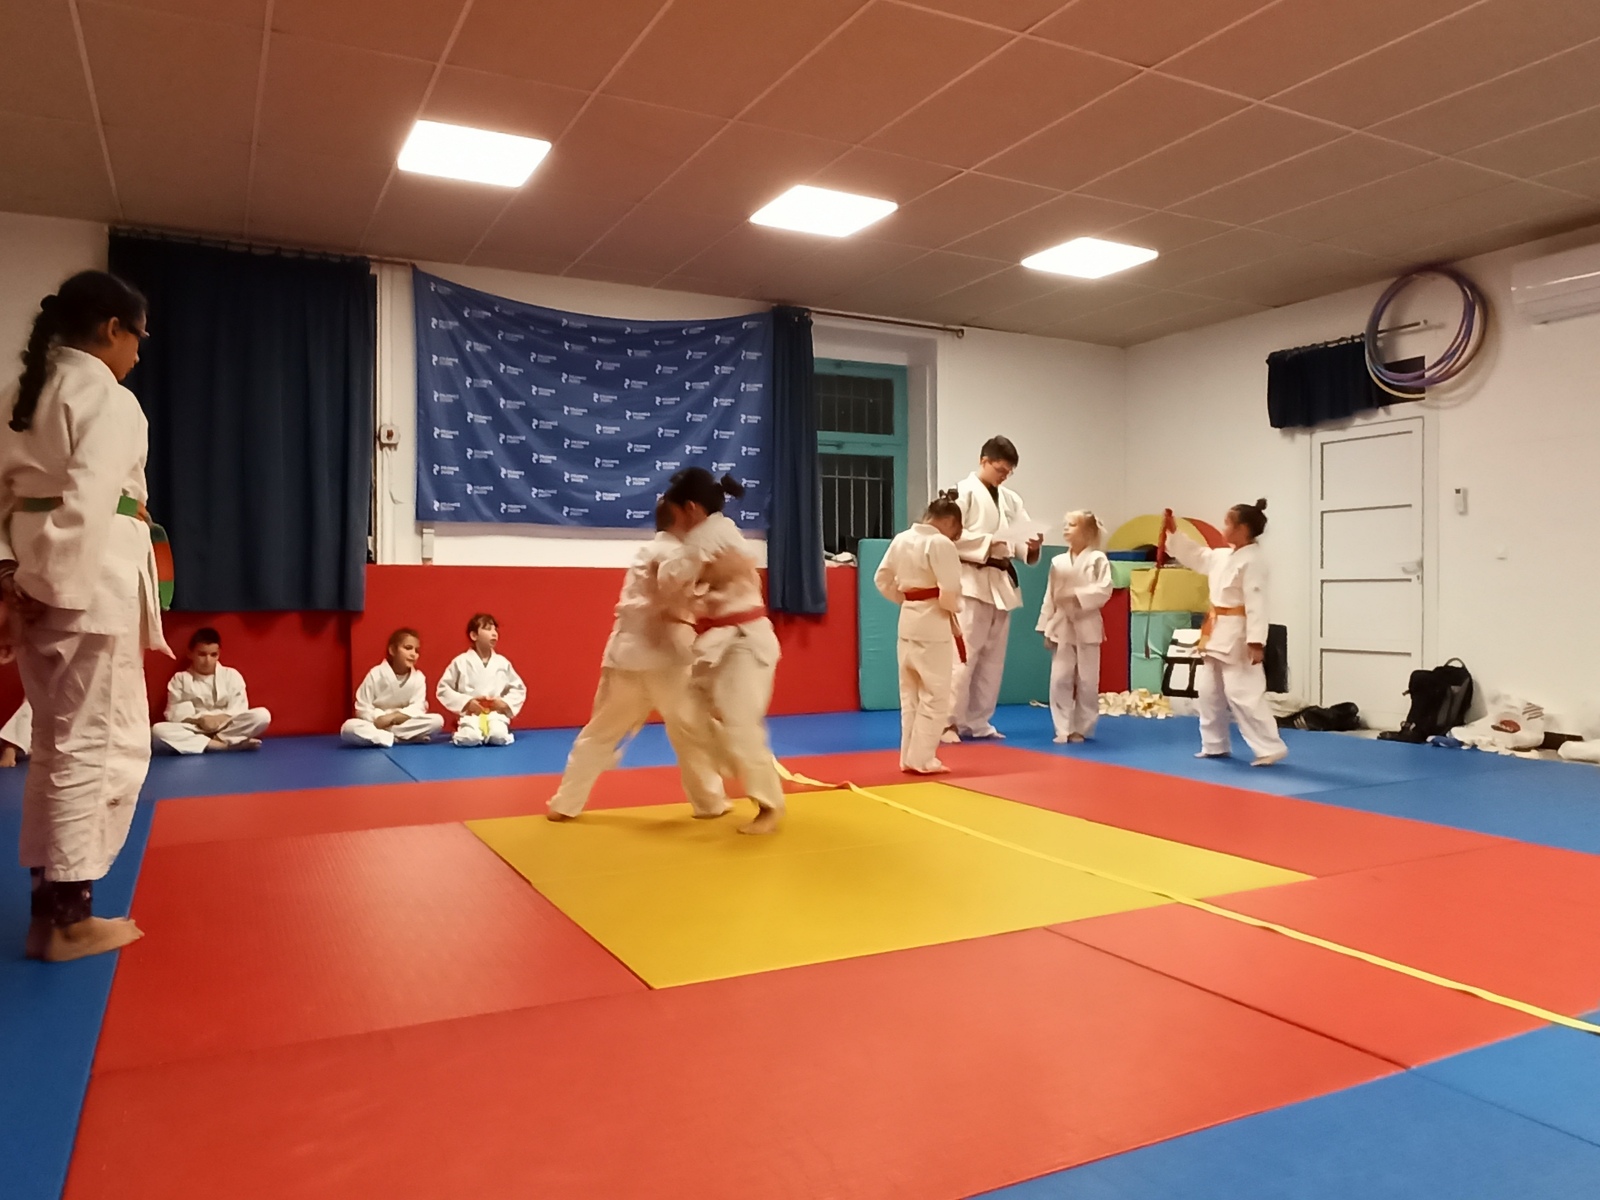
{"type": "Point", "coordinates": [207, 706]}
{"type": "Point", "coordinates": [16, 737]}
{"type": "Point", "coordinates": [482, 688]}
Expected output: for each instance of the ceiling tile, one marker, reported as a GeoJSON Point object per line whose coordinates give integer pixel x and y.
{"type": "Point", "coordinates": [53, 167]}
{"type": "Point", "coordinates": [933, 274]}
{"type": "Point", "coordinates": [313, 200]}
{"type": "Point", "coordinates": [623, 150]}
{"type": "Point", "coordinates": [634, 278]}
{"type": "Point", "coordinates": [1507, 204]}
{"type": "Point", "coordinates": [1293, 40]}
{"type": "Point", "coordinates": [697, 286]}
{"type": "Point", "coordinates": [751, 259]}
{"type": "Point", "coordinates": [573, 43]}
{"type": "Point", "coordinates": [192, 183]}
{"type": "Point", "coordinates": [501, 103]}
{"type": "Point", "coordinates": [175, 74]}
{"type": "Point", "coordinates": [1016, 93]}
{"type": "Point", "coordinates": [1219, 310]}
{"type": "Point", "coordinates": [885, 176]}
{"type": "Point", "coordinates": [957, 209]}
{"type": "Point", "coordinates": [1050, 224]}
{"type": "Point", "coordinates": [1165, 231]}
{"type": "Point", "coordinates": [1474, 45]}
{"type": "Point", "coordinates": [375, 97]}
{"type": "Point", "coordinates": [992, 293]}
{"type": "Point", "coordinates": [235, 12]}
{"type": "Point", "coordinates": [1542, 92]}
{"type": "Point", "coordinates": [1248, 141]}
{"type": "Point", "coordinates": [1544, 148]}
{"type": "Point", "coordinates": [1317, 174]}
{"type": "Point", "coordinates": [1455, 249]}
{"type": "Point", "coordinates": [413, 28]}
{"type": "Point", "coordinates": [544, 225]}
{"type": "Point", "coordinates": [1421, 187]}
{"type": "Point", "coordinates": [1078, 297]}
{"type": "Point", "coordinates": [1582, 177]}
{"type": "Point", "coordinates": [1135, 120]}
{"type": "Point", "coordinates": [432, 219]}
{"type": "Point", "coordinates": [1224, 252]}
{"type": "Point", "coordinates": [1145, 32]}
{"type": "Point", "coordinates": [1297, 275]}
{"type": "Point", "coordinates": [1007, 14]}
{"type": "Point", "coordinates": [743, 168]}
{"type": "Point", "coordinates": [881, 64]}
{"type": "Point", "coordinates": [840, 265]}
{"type": "Point", "coordinates": [656, 238]}
{"type": "Point", "coordinates": [40, 72]}
{"type": "Point", "coordinates": [711, 56]}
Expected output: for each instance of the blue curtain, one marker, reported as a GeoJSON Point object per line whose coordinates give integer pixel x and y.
{"type": "Point", "coordinates": [1309, 385]}
{"type": "Point", "coordinates": [794, 538]}
{"type": "Point", "coordinates": [257, 379]}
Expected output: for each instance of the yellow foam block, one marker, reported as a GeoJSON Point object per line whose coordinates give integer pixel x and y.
{"type": "Point", "coordinates": [683, 901]}
{"type": "Point", "coordinates": [1178, 590]}
{"type": "Point", "coordinates": [1146, 531]}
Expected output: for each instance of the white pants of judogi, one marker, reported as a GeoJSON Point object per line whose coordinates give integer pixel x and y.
{"type": "Point", "coordinates": [984, 628]}
{"type": "Point", "coordinates": [356, 732]}
{"type": "Point", "coordinates": [1075, 688]}
{"type": "Point", "coordinates": [484, 729]}
{"type": "Point", "coordinates": [18, 731]}
{"type": "Point", "coordinates": [1226, 684]}
{"type": "Point", "coordinates": [177, 738]}
{"type": "Point", "coordinates": [925, 692]}
{"type": "Point", "coordinates": [90, 752]}
{"type": "Point", "coordinates": [731, 698]}
{"type": "Point", "coordinates": [622, 704]}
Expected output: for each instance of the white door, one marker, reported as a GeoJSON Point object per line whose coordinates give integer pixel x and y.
{"type": "Point", "coordinates": [1367, 563]}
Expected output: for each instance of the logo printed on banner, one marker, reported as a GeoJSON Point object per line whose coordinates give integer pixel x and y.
{"type": "Point", "coordinates": [639, 448]}
{"type": "Point", "coordinates": [692, 450]}
{"type": "Point", "coordinates": [749, 418]}
{"type": "Point", "coordinates": [608, 495]}
{"type": "Point", "coordinates": [573, 323]}
{"type": "Point", "coordinates": [749, 451]}
{"type": "Point", "coordinates": [668, 401]}
{"type": "Point", "coordinates": [504, 403]}
{"type": "Point", "coordinates": [440, 289]}
{"type": "Point", "coordinates": [474, 314]}
{"type": "Point", "coordinates": [542, 359]}
{"type": "Point", "coordinates": [604, 398]}
{"type": "Point", "coordinates": [512, 439]}
{"type": "Point", "coordinates": [749, 355]}
{"type": "Point", "coordinates": [567, 511]}
{"type": "Point", "coordinates": [568, 410]}
{"type": "Point", "coordinates": [723, 435]}
{"type": "Point", "coordinates": [694, 355]}
{"type": "Point", "coordinates": [510, 473]}
{"type": "Point", "coordinates": [724, 339]}
{"type": "Point", "coordinates": [512, 508]}
{"type": "Point", "coordinates": [638, 514]}
{"type": "Point", "coordinates": [478, 418]}
{"type": "Point", "coordinates": [608, 429]}
{"type": "Point", "coordinates": [472, 454]}
{"type": "Point", "coordinates": [440, 506]}
{"type": "Point", "coordinates": [543, 493]}
{"type": "Point", "coordinates": [545, 424]}
{"type": "Point", "coordinates": [666, 369]}
{"type": "Point", "coordinates": [544, 460]}
{"type": "Point", "coordinates": [722, 468]}
{"type": "Point", "coordinates": [635, 352]}
{"type": "Point", "coordinates": [698, 385]}
{"type": "Point", "coordinates": [445, 360]}
{"type": "Point", "coordinates": [508, 337]}
{"type": "Point", "coordinates": [508, 369]}
{"type": "Point", "coordinates": [601, 364]}
{"type": "Point", "coordinates": [543, 391]}
{"type": "Point", "coordinates": [637, 416]}
{"type": "Point", "coordinates": [445, 469]}
{"type": "Point", "coordinates": [569, 378]}
{"type": "Point", "coordinates": [602, 341]}
{"type": "Point", "coordinates": [445, 397]}
{"type": "Point", "coordinates": [479, 383]}
{"type": "Point", "coordinates": [670, 464]}
{"type": "Point", "coordinates": [724, 370]}
{"type": "Point", "coordinates": [574, 443]}
{"type": "Point", "coordinates": [636, 480]}
{"type": "Point", "coordinates": [747, 515]}
{"type": "Point", "coordinates": [749, 387]}
{"type": "Point", "coordinates": [445, 434]}
{"type": "Point", "coordinates": [607, 464]}
{"type": "Point", "coordinates": [668, 433]}
{"type": "Point", "coordinates": [437, 323]}
{"type": "Point", "coordinates": [724, 402]}
{"type": "Point", "coordinates": [478, 489]}
{"type": "Point", "coordinates": [697, 417]}
{"type": "Point", "coordinates": [635, 383]}
{"type": "Point", "coordinates": [478, 347]}
{"type": "Point", "coordinates": [574, 477]}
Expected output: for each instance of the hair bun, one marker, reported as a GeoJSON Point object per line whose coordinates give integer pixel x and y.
{"type": "Point", "coordinates": [49, 303]}
{"type": "Point", "coordinates": [949, 494]}
{"type": "Point", "coordinates": [1262, 505]}
{"type": "Point", "coordinates": [732, 486]}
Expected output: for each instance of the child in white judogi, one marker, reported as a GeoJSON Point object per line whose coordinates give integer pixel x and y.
{"type": "Point", "coordinates": [989, 584]}
{"type": "Point", "coordinates": [207, 706]}
{"type": "Point", "coordinates": [482, 688]}
{"type": "Point", "coordinates": [1078, 588]}
{"type": "Point", "coordinates": [921, 572]}
{"type": "Point", "coordinates": [645, 669]}
{"type": "Point", "coordinates": [1234, 637]}
{"type": "Point", "coordinates": [16, 736]}
{"type": "Point", "coordinates": [392, 701]}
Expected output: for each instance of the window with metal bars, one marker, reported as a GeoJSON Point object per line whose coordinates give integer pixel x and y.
{"type": "Point", "coordinates": [861, 451]}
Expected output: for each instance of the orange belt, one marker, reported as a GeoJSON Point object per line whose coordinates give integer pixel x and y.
{"type": "Point", "coordinates": [933, 594]}
{"type": "Point", "coordinates": [727, 619]}
{"type": "Point", "coordinates": [1210, 622]}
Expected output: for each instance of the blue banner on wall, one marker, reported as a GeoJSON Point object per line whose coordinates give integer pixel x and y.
{"type": "Point", "coordinates": [541, 417]}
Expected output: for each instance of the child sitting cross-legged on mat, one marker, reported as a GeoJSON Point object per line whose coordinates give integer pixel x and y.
{"type": "Point", "coordinates": [482, 688]}
{"type": "Point", "coordinates": [16, 737]}
{"type": "Point", "coordinates": [207, 706]}
{"type": "Point", "coordinates": [392, 701]}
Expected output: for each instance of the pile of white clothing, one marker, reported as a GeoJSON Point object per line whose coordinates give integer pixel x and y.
{"type": "Point", "coordinates": [1140, 703]}
{"type": "Point", "coordinates": [1512, 726]}
{"type": "Point", "coordinates": [1584, 752]}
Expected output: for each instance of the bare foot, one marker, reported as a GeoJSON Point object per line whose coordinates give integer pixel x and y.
{"type": "Point", "coordinates": [1074, 738]}
{"type": "Point", "coordinates": [934, 768]}
{"type": "Point", "coordinates": [38, 938]}
{"type": "Point", "coordinates": [1214, 754]}
{"type": "Point", "coordinates": [8, 755]}
{"type": "Point", "coordinates": [553, 815]}
{"type": "Point", "coordinates": [93, 935]}
{"type": "Point", "coordinates": [1268, 760]}
{"type": "Point", "coordinates": [950, 737]}
{"type": "Point", "coordinates": [712, 816]}
{"type": "Point", "coordinates": [247, 744]}
{"type": "Point", "coordinates": [767, 821]}
{"type": "Point", "coordinates": [217, 743]}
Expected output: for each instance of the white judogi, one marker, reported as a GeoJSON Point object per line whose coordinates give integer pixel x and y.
{"type": "Point", "coordinates": [82, 660]}
{"type": "Point", "coordinates": [19, 730]}
{"type": "Point", "coordinates": [1078, 588]}
{"type": "Point", "coordinates": [220, 693]}
{"type": "Point", "coordinates": [1238, 579]}
{"type": "Point", "coordinates": [645, 669]}
{"type": "Point", "coordinates": [919, 558]}
{"type": "Point", "coordinates": [383, 692]}
{"type": "Point", "coordinates": [469, 677]}
{"type": "Point", "coordinates": [991, 596]}
{"type": "Point", "coordinates": [734, 665]}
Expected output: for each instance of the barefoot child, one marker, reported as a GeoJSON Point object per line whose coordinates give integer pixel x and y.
{"type": "Point", "coordinates": [921, 572]}
{"type": "Point", "coordinates": [482, 688]}
{"type": "Point", "coordinates": [392, 701]}
{"type": "Point", "coordinates": [1078, 588]}
{"type": "Point", "coordinates": [16, 737]}
{"type": "Point", "coordinates": [645, 668]}
{"type": "Point", "coordinates": [207, 706]}
{"type": "Point", "coordinates": [1234, 637]}
{"type": "Point", "coordinates": [735, 649]}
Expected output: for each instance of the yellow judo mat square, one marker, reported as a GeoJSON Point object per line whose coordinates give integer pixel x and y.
{"type": "Point", "coordinates": [683, 901]}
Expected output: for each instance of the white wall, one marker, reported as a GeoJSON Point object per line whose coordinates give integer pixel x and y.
{"type": "Point", "coordinates": [1512, 581]}
{"type": "Point", "coordinates": [38, 253]}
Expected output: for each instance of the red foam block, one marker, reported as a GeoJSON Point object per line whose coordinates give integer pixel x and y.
{"type": "Point", "coordinates": [938, 1072]}
{"type": "Point", "coordinates": [275, 941]}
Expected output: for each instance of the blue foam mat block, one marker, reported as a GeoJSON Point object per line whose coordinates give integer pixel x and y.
{"type": "Point", "coordinates": [282, 764]}
{"type": "Point", "coordinates": [1397, 1138]}
{"type": "Point", "coordinates": [50, 1017]}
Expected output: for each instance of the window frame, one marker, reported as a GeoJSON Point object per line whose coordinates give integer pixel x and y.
{"type": "Point", "coordinates": [895, 446]}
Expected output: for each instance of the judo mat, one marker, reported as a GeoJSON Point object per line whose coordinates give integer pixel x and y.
{"type": "Point", "coordinates": [408, 1014]}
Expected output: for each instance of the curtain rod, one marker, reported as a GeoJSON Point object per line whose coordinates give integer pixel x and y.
{"type": "Point", "coordinates": [958, 330]}
{"type": "Point", "coordinates": [1355, 337]}
{"type": "Point", "coordinates": [196, 239]}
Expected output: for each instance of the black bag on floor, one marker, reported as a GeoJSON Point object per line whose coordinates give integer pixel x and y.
{"type": "Point", "coordinates": [1439, 702]}
{"type": "Point", "coordinates": [1336, 718]}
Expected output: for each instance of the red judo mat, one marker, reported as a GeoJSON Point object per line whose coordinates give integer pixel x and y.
{"type": "Point", "coordinates": [928, 1073]}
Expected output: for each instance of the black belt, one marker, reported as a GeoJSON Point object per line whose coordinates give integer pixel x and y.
{"type": "Point", "coordinates": [1006, 565]}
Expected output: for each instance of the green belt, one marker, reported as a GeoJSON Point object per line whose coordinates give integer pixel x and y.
{"type": "Point", "coordinates": [127, 506]}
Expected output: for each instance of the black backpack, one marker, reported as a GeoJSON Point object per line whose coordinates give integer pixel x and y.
{"type": "Point", "coordinates": [1439, 702]}
{"type": "Point", "coordinates": [1336, 718]}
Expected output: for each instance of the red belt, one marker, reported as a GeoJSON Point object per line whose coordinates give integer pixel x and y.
{"type": "Point", "coordinates": [933, 594]}
{"type": "Point", "coordinates": [727, 619]}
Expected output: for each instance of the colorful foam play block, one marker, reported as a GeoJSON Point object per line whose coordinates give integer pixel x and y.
{"type": "Point", "coordinates": [1114, 650]}
{"type": "Point", "coordinates": [1176, 590]}
{"type": "Point", "coordinates": [1160, 627]}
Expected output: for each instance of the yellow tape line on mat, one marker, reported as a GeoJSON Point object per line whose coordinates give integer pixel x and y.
{"type": "Point", "coordinates": [1532, 1010]}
